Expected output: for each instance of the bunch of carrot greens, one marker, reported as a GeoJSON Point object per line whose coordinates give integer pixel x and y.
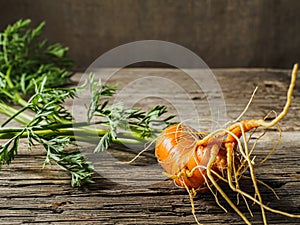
{"type": "Point", "coordinates": [32, 92]}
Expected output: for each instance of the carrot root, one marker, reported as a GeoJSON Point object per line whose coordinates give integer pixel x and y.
{"type": "Point", "coordinates": [235, 141]}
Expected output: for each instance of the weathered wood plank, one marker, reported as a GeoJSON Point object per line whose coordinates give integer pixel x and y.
{"type": "Point", "coordinates": [32, 195]}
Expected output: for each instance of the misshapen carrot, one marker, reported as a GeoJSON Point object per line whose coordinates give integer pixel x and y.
{"type": "Point", "coordinates": [197, 162]}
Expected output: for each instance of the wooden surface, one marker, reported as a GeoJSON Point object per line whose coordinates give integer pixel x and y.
{"type": "Point", "coordinates": [32, 195]}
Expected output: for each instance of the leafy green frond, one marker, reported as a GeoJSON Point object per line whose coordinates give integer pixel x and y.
{"type": "Point", "coordinates": [99, 96]}
{"type": "Point", "coordinates": [9, 149]}
{"type": "Point", "coordinates": [48, 103]}
{"type": "Point", "coordinates": [31, 75]}
{"type": "Point", "coordinates": [72, 161]}
{"type": "Point", "coordinates": [24, 57]}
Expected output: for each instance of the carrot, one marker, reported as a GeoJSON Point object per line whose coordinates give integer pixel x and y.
{"type": "Point", "coordinates": [198, 162]}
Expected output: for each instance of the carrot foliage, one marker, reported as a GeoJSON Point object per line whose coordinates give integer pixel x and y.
{"type": "Point", "coordinates": [32, 78]}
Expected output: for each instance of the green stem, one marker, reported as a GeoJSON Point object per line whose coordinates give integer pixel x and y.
{"type": "Point", "coordinates": [19, 100]}
{"type": "Point", "coordinates": [14, 116]}
{"type": "Point", "coordinates": [7, 93]}
{"type": "Point", "coordinates": [65, 129]}
{"type": "Point", "coordinates": [81, 131]}
{"type": "Point", "coordinates": [16, 97]}
{"type": "Point", "coordinates": [7, 77]}
{"type": "Point", "coordinates": [80, 134]}
{"type": "Point", "coordinates": [21, 117]}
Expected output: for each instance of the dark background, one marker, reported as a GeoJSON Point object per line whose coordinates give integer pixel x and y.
{"type": "Point", "coordinates": [224, 33]}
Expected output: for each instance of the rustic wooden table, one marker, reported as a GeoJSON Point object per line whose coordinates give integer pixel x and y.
{"type": "Point", "coordinates": [30, 194]}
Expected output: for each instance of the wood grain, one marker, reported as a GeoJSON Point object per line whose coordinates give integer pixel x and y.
{"type": "Point", "coordinates": [32, 195]}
